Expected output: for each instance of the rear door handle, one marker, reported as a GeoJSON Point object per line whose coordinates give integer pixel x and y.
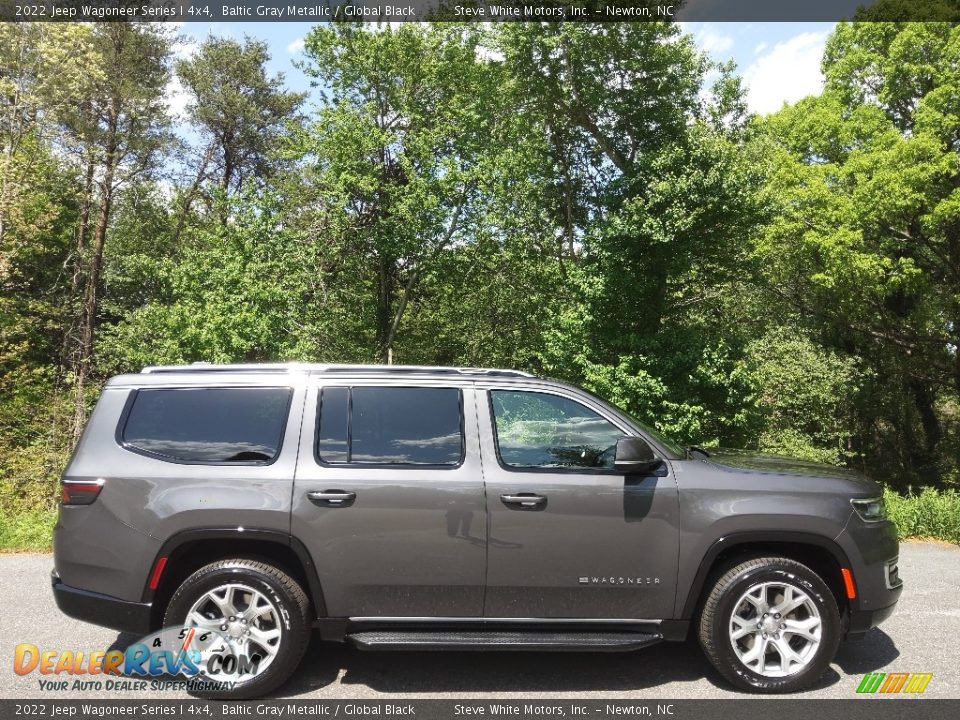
{"type": "Point", "coordinates": [332, 498]}
{"type": "Point", "coordinates": [524, 501]}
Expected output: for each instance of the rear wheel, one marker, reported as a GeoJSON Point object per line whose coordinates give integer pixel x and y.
{"type": "Point", "coordinates": [770, 625]}
{"type": "Point", "coordinates": [260, 613]}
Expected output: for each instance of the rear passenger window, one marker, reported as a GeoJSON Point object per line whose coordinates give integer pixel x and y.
{"type": "Point", "coordinates": [208, 425]}
{"type": "Point", "coordinates": [390, 426]}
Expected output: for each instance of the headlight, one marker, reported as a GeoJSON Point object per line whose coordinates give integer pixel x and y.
{"type": "Point", "coordinates": [870, 509]}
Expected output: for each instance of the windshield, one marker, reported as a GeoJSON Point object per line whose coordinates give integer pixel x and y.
{"type": "Point", "coordinates": [669, 444]}
{"type": "Point", "coordinates": [675, 448]}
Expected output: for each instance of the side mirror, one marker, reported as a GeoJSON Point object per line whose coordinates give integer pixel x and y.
{"type": "Point", "coordinates": [634, 455]}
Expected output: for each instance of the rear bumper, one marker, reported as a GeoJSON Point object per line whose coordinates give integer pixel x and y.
{"type": "Point", "coordinates": [110, 612]}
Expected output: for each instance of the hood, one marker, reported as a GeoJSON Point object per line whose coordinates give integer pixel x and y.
{"type": "Point", "coordinates": [781, 465]}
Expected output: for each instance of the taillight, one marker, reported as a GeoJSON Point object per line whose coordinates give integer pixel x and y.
{"type": "Point", "coordinates": [80, 492]}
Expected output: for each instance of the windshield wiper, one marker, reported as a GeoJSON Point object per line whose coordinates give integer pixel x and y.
{"type": "Point", "coordinates": [691, 449]}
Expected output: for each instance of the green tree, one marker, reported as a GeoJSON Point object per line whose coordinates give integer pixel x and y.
{"type": "Point", "coordinates": [124, 128]}
{"type": "Point", "coordinates": [394, 157]}
{"type": "Point", "coordinates": [657, 199]}
{"type": "Point", "coordinates": [232, 293]}
{"type": "Point", "coordinates": [243, 113]}
{"type": "Point", "coordinates": [866, 237]}
{"type": "Point", "coordinates": [45, 68]}
{"type": "Point", "coordinates": [804, 396]}
{"type": "Point", "coordinates": [909, 10]}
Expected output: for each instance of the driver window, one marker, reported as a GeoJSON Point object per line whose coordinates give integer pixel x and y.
{"type": "Point", "coordinates": [539, 430]}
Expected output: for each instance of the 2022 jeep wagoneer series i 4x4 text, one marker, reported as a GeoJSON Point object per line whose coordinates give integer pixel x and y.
{"type": "Point", "coordinates": [443, 508]}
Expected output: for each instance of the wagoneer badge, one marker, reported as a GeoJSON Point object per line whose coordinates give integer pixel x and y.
{"type": "Point", "coordinates": [593, 580]}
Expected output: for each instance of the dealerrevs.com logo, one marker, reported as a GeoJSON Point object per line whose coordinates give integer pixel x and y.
{"type": "Point", "coordinates": [893, 683]}
{"type": "Point", "coordinates": [172, 658]}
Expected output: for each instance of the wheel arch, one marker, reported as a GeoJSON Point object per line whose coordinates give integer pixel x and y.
{"type": "Point", "coordinates": [189, 550]}
{"type": "Point", "coordinates": [821, 554]}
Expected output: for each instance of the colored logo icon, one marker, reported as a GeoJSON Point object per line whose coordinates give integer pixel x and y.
{"type": "Point", "coordinates": [891, 683]}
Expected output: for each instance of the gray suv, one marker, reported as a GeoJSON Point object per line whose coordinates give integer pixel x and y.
{"type": "Point", "coordinates": [444, 508]}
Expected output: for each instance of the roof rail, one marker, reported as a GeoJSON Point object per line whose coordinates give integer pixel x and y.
{"type": "Point", "coordinates": [205, 367]}
{"type": "Point", "coordinates": [418, 369]}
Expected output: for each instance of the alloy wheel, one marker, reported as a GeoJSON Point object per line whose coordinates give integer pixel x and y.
{"type": "Point", "coordinates": [246, 619]}
{"type": "Point", "coordinates": [775, 629]}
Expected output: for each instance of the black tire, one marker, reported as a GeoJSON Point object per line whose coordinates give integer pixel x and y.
{"type": "Point", "coordinates": [278, 587]}
{"type": "Point", "coordinates": [715, 619]}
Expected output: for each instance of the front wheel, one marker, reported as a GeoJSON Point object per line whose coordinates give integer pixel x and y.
{"type": "Point", "coordinates": [259, 617]}
{"type": "Point", "coordinates": [770, 625]}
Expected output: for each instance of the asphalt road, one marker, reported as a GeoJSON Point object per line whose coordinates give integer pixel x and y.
{"type": "Point", "coordinates": [920, 637]}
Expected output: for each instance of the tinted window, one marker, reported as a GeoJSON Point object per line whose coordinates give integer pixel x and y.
{"type": "Point", "coordinates": [209, 425]}
{"type": "Point", "coordinates": [538, 430]}
{"type": "Point", "coordinates": [332, 432]}
{"type": "Point", "coordinates": [390, 426]}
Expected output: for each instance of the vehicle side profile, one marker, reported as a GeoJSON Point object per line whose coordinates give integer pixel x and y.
{"type": "Point", "coordinates": [453, 508]}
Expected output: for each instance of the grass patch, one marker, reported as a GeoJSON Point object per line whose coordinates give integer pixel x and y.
{"type": "Point", "coordinates": [927, 514]}
{"type": "Point", "coordinates": [29, 530]}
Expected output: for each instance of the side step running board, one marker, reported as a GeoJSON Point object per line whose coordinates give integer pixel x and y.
{"type": "Point", "coordinates": [502, 640]}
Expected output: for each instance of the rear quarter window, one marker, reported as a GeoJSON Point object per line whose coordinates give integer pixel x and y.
{"type": "Point", "coordinates": [236, 426]}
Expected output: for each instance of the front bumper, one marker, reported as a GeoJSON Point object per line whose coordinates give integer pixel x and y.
{"type": "Point", "coordinates": [860, 621]}
{"type": "Point", "coordinates": [873, 550]}
{"type": "Point", "coordinates": [110, 612]}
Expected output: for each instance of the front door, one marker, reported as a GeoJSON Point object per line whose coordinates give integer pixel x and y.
{"type": "Point", "coordinates": [389, 499]}
{"type": "Point", "coordinates": [569, 537]}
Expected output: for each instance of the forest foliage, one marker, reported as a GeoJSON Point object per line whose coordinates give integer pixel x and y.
{"type": "Point", "coordinates": [592, 203]}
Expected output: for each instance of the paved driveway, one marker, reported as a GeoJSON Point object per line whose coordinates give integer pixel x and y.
{"type": "Point", "coordinates": [920, 637]}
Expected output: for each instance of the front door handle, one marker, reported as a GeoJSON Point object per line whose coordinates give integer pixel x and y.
{"type": "Point", "coordinates": [524, 501]}
{"type": "Point", "coordinates": [332, 498]}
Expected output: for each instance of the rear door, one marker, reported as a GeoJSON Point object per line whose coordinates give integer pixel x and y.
{"type": "Point", "coordinates": [389, 498]}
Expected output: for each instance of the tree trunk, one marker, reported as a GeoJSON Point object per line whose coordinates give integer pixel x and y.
{"type": "Point", "coordinates": [84, 227]}
{"type": "Point", "coordinates": [956, 356]}
{"type": "Point", "coordinates": [384, 319]}
{"type": "Point", "coordinates": [579, 115]}
{"type": "Point", "coordinates": [412, 281]}
{"type": "Point", "coordinates": [71, 342]}
{"type": "Point", "coordinates": [228, 169]}
{"type": "Point", "coordinates": [91, 299]}
{"type": "Point", "coordinates": [4, 185]}
{"type": "Point", "coordinates": [5, 170]}
{"type": "Point", "coordinates": [9, 149]}
{"type": "Point", "coordinates": [925, 458]}
{"type": "Point", "coordinates": [191, 194]}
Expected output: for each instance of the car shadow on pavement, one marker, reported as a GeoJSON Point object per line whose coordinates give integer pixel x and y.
{"type": "Point", "coordinates": [123, 641]}
{"type": "Point", "coordinates": [418, 673]}
{"type": "Point", "coordinates": [415, 673]}
{"type": "Point", "coordinates": [425, 673]}
{"type": "Point", "coordinates": [872, 652]}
